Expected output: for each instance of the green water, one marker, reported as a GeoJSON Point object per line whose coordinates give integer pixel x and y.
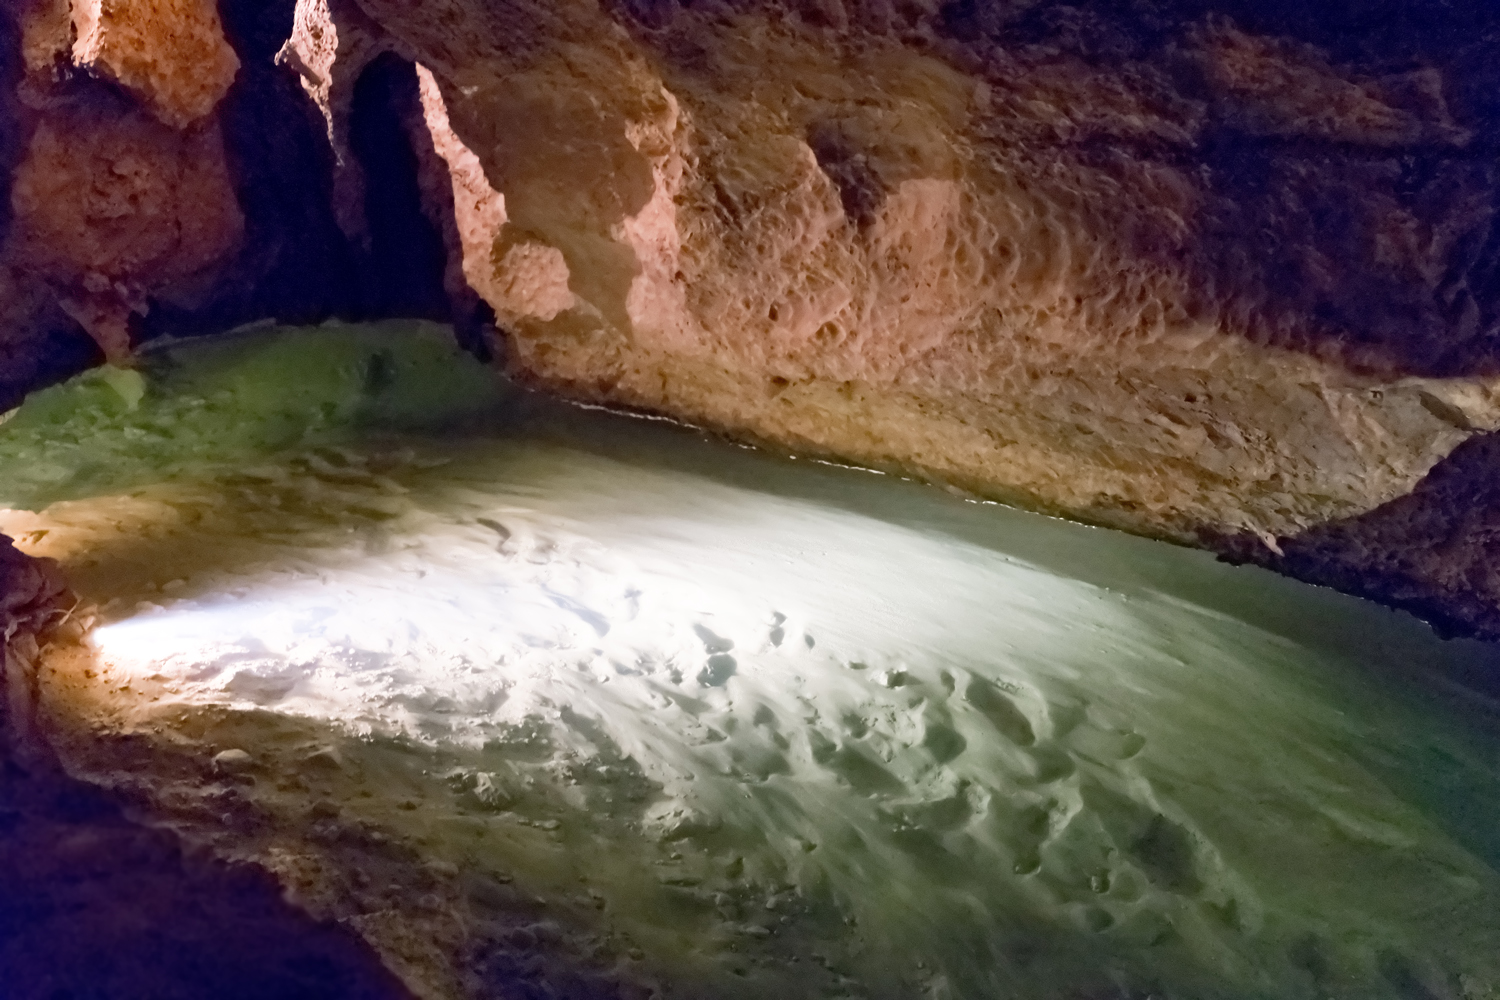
{"type": "Point", "coordinates": [804, 731]}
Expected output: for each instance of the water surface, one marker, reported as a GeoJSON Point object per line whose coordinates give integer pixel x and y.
{"type": "Point", "coordinates": [753, 726]}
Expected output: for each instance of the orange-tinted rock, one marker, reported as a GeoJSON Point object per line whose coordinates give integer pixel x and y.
{"type": "Point", "coordinates": [110, 201]}
{"type": "Point", "coordinates": [1016, 268]}
{"type": "Point", "coordinates": [171, 53]}
{"type": "Point", "coordinates": [111, 207]}
{"type": "Point", "coordinates": [46, 33]}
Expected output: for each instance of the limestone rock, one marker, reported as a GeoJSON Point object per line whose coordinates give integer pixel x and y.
{"type": "Point", "coordinates": [111, 201]}
{"type": "Point", "coordinates": [109, 206]}
{"type": "Point", "coordinates": [1433, 552]}
{"type": "Point", "coordinates": [170, 52]}
{"type": "Point", "coordinates": [46, 33]}
{"type": "Point", "coordinates": [32, 601]}
{"type": "Point", "coordinates": [922, 245]}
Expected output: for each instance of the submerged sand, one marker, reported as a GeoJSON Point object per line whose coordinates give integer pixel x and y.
{"type": "Point", "coordinates": [545, 701]}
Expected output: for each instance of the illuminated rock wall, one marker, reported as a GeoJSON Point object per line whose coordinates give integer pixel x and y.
{"type": "Point", "coordinates": [1208, 270]}
{"type": "Point", "coordinates": [121, 191]}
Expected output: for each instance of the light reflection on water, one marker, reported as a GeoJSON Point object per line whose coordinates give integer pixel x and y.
{"type": "Point", "coordinates": [811, 732]}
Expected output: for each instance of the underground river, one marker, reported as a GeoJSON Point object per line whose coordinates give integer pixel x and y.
{"type": "Point", "coordinates": [554, 702]}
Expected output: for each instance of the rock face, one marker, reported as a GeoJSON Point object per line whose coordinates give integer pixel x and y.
{"type": "Point", "coordinates": [110, 205]}
{"type": "Point", "coordinates": [171, 53]}
{"type": "Point", "coordinates": [1433, 551]}
{"type": "Point", "coordinates": [1220, 272]}
{"type": "Point", "coordinates": [113, 202]}
{"type": "Point", "coordinates": [31, 603]}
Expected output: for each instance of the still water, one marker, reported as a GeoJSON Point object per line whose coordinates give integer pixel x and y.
{"type": "Point", "coordinates": [744, 725]}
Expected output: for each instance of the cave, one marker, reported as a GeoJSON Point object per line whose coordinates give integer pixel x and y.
{"type": "Point", "coordinates": [749, 498]}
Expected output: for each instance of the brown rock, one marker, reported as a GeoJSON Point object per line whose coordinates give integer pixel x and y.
{"type": "Point", "coordinates": [112, 206]}
{"type": "Point", "coordinates": [1277, 88]}
{"type": "Point", "coordinates": [46, 33]}
{"type": "Point", "coordinates": [1007, 267]}
{"type": "Point", "coordinates": [33, 599]}
{"type": "Point", "coordinates": [1434, 552]}
{"type": "Point", "coordinates": [111, 203]}
{"type": "Point", "coordinates": [171, 53]}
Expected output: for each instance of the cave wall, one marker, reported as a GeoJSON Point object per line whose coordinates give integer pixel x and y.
{"type": "Point", "coordinates": [121, 191]}
{"type": "Point", "coordinates": [1219, 272]}
{"type": "Point", "coordinates": [33, 602]}
{"type": "Point", "coordinates": [166, 176]}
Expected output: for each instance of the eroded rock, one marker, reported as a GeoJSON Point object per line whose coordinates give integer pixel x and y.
{"type": "Point", "coordinates": [1432, 551]}
{"type": "Point", "coordinates": [112, 200]}
{"type": "Point", "coordinates": [1199, 270]}
{"type": "Point", "coordinates": [943, 248]}
{"type": "Point", "coordinates": [171, 53]}
{"type": "Point", "coordinates": [111, 206]}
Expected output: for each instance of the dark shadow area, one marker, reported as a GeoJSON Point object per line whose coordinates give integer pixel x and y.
{"type": "Point", "coordinates": [407, 256]}
{"type": "Point", "coordinates": [93, 905]}
{"type": "Point", "coordinates": [11, 133]}
{"type": "Point", "coordinates": [65, 351]}
{"type": "Point", "coordinates": [296, 265]}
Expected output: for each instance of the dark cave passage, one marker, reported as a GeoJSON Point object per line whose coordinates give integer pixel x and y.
{"type": "Point", "coordinates": [404, 276]}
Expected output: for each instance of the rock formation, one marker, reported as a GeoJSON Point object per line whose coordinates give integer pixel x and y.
{"type": "Point", "coordinates": [120, 198]}
{"type": "Point", "coordinates": [31, 606]}
{"type": "Point", "coordinates": [1218, 272]}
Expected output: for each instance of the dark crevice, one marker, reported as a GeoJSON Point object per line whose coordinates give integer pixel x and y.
{"type": "Point", "coordinates": [56, 355]}
{"type": "Point", "coordinates": [404, 275]}
{"type": "Point", "coordinates": [298, 266]}
{"type": "Point", "coordinates": [861, 191]}
{"type": "Point", "coordinates": [475, 330]}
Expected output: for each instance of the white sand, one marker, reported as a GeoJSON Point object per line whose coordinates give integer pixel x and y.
{"type": "Point", "coordinates": [748, 726]}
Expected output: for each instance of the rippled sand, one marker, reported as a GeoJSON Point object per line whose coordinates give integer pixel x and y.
{"type": "Point", "coordinates": [545, 699]}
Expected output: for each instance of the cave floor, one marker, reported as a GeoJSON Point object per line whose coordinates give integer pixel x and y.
{"type": "Point", "coordinates": [541, 701]}
{"type": "Point", "coordinates": [95, 905]}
